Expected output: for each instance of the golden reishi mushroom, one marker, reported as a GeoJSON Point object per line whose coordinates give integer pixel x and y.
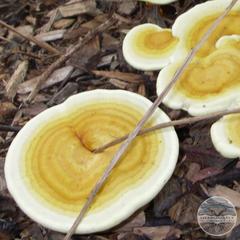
{"type": "Point", "coordinates": [50, 168]}
{"type": "Point", "coordinates": [148, 47]}
{"type": "Point", "coordinates": [212, 81]}
{"type": "Point", "coordinates": [225, 135]}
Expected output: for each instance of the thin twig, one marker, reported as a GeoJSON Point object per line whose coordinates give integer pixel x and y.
{"type": "Point", "coordinates": [146, 116]}
{"type": "Point", "coordinates": [8, 128]}
{"type": "Point", "coordinates": [43, 77]}
{"type": "Point", "coordinates": [31, 39]}
{"type": "Point", "coordinates": [184, 121]}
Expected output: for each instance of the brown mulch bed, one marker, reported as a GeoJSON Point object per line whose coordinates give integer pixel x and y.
{"type": "Point", "coordinates": [200, 169]}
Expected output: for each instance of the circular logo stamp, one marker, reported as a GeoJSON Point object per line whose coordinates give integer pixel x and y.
{"type": "Point", "coordinates": [217, 216]}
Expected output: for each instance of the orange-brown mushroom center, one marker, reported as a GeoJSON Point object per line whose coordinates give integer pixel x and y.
{"type": "Point", "coordinates": [151, 42]}
{"type": "Point", "coordinates": [213, 72]}
{"type": "Point", "coordinates": [60, 168]}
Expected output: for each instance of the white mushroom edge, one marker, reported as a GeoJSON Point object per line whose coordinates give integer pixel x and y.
{"type": "Point", "coordinates": [142, 62]}
{"type": "Point", "coordinates": [221, 140]}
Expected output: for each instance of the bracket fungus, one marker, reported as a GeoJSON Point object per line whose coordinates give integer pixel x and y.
{"type": "Point", "coordinates": [149, 47]}
{"type": "Point", "coordinates": [50, 168]}
{"type": "Point", "coordinates": [225, 135]}
{"type": "Point", "coordinates": [212, 80]}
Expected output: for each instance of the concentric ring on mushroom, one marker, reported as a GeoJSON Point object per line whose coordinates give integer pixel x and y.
{"type": "Point", "coordinates": [212, 80]}
{"type": "Point", "coordinates": [60, 166]}
{"type": "Point", "coordinates": [149, 47]}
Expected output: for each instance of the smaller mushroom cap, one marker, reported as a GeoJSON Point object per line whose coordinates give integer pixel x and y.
{"type": "Point", "coordinates": [149, 47]}
{"type": "Point", "coordinates": [232, 41]}
{"type": "Point", "coordinates": [225, 135]}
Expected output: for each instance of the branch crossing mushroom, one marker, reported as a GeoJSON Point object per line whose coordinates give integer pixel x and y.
{"type": "Point", "coordinates": [50, 167]}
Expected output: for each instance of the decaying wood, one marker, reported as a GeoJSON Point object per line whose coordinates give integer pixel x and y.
{"type": "Point", "coordinates": [17, 78]}
{"type": "Point", "coordinates": [122, 149]}
{"type": "Point", "coordinates": [31, 39]}
{"type": "Point", "coordinates": [42, 78]}
{"type": "Point", "coordinates": [184, 121]}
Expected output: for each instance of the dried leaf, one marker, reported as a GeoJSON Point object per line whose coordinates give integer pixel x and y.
{"type": "Point", "coordinates": [227, 193]}
{"type": "Point", "coordinates": [185, 210]}
{"type": "Point", "coordinates": [158, 233]}
{"type": "Point", "coordinates": [135, 221]}
{"type": "Point", "coordinates": [167, 197]}
{"type": "Point", "coordinates": [194, 168]}
{"type": "Point", "coordinates": [206, 173]}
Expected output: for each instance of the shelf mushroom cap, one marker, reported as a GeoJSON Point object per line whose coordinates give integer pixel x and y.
{"type": "Point", "coordinates": [148, 47]}
{"type": "Point", "coordinates": [211, 82]}
{"type": "Point", "coordinates": [49, 168]}
{"type": "Point", "coordinates": [225, 135]}
{"type": "Point", "coordinates": [190, 26]}
{"type": "Point", "coordinates": [161, 2]}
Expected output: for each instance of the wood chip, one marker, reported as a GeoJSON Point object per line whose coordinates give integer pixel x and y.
{"type": "Point", "coordinates": [77, 8]}
{"type": "Point", "coordinates": [63, 23]}
{"type": "Point", "coordinates": [17, 78]}
{"type": "Point", "coordinates": [51, 36]}
{"type": "Point", "coordinates": [26, 30]}
{"type": "Point", "coordinates": [127, 7]}
{"type": "Point", "coordinates": [64, 93]}
{"type": "Point", "coordinates": [142, 90]}
{"type": "Point", "coordinates": [128, 77]}
{"type": "Point", "coordinates": [57, 76]}
{"type": "Point", "coordinates": [6, 110]}
{"type": "Point", "coordinates": [118, 83]}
